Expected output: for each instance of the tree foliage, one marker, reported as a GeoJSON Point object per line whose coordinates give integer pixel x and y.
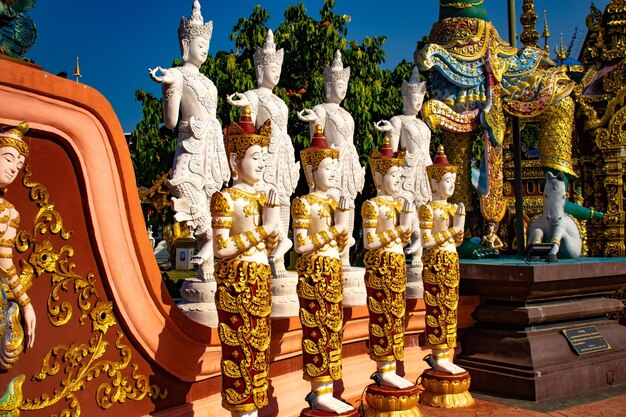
{"type": "Point", "coordinates": [309, 44]}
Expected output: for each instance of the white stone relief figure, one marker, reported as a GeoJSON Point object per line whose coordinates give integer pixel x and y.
{"type": "Point", "coordinates": [409, 132]}
{"type": "Point", "coordinates": [281, 172]}
{"type": "Point", "coordinates": [200, 165]}
{"type": "Point", "coordinates": [338, 127]}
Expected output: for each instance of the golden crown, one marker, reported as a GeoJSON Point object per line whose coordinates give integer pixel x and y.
{"type": "Point", "coordinates": [239, 137]}
{"type": "Point", "coordinates": [318, 151]}
{"type": "Point", "coordinates": [440, 167]}
{"type": "Point", "coordinates": [384, 158]}
{"type": "Point", "coordinates": [15, 138]}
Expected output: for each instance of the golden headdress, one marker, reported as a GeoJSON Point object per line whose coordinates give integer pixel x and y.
{"type": "Point", "coordinates": [336, 71]}
{"type": "Point", "coordinates": [268, 53]}
{"type": "Point", "coordinates": [384, 158]}
{"type": "Point", "coordinates": [194, 27]}
{"type": "Point", "coordinates": [317, 152]}
{"type": "Point", "coordinates": [14, 138]}
{"type": "Point", "coordinates": [238, 137]}
{"type": "Point", "coordinates": [441, 166]}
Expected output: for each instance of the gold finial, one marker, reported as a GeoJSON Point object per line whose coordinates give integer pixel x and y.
{"type": "Point", "coordinates": [318, 129]}
{"type": "Point", "coordinates": [561, 52]}
{"type": "Point", "coordinates": [528, 19]}
{"type": "Point", "coordinates": [440, 148]}
{"type": "Point", "coordinates": [546, 31]}
{"type": "Point", "coordinates": [246, 111]}
{"type": "Point", "coordinates": [77, 73]}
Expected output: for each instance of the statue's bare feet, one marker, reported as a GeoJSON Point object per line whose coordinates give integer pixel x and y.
{"type": "Point", "coordinates": [444, 365]}
{"type": "Point", "coordinates": [203, 254]}
{"type": "Point", "coordinates": [393, 380]}
{"type": "Point", "coordinates": [278, 267]}
{"type": "Point", "coordinates": [326, 402]}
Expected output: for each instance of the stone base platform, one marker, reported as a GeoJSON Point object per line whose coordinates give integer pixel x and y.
{"type": "Point", "coordinates": [386, 401]}
{"type": "Point", "coordinates": [517, 347]}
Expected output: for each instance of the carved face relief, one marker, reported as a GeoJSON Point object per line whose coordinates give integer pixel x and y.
{"type": "Point", "coordinates": [324, 175]}
{"type": "Point", "coordinates": [390, 183]}
{"type": "Point", "coordinates": [444, 189]}
{"type": "Point", "coordinates": [269, 74]}
{"type": "Point", "coordinates": [336, 91]}
{"type": "Point", "coordinates": [250, 168]}
{"type": "Point", "coordinates": [198, 51]}
{"type": "Point", "coordinates": [11, 162]}
{"type": "Point", "coordinates": [412, 102]}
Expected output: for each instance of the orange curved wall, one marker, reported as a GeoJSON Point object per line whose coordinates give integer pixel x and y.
{"type": "Point", "coordinates": [79, 153]}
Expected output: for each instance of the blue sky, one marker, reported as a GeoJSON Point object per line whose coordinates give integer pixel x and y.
{"type": "Point", "coordinates": [117, 41]}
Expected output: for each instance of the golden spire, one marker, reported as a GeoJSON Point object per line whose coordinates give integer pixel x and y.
{"type": "Point", "coordinates": [561, 52]}
{"type": "Point", "coordinates": [546, 31]}
{"type": "Point", "coordinates": [77, 73]}
{"type": "Point", "coordinates": [528, 18]}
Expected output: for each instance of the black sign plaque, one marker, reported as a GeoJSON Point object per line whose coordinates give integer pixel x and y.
{"type": "Point", "coordinates": [586, 340]}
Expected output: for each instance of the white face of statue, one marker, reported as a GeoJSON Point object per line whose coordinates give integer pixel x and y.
{"type": "Point", "coordinates": [412, 102]}
{"type": "Point", "coordinates": [269, 74]}
{"type": "Point", "coordinates": [324, 175]}
{"type": "Point", "coordinates": [390, 183]}
{"type": "Point", "coordinates": [198, 51]}
{"type": "Point", "coordinates": [251, 166]}
{"type": "Point", "coordinates": [336, 91]}
{"type": "Point", "coordinates": [445, 188]}
{"type": "Point", "coordinates": [11, 162]}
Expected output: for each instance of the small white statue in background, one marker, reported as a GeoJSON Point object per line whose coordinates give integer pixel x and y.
{"type": "Point", "coordinates": [281, 172]}
{"type": "Point", "coordinates": [338, 127]}
{"type": "Point", "coordinates": [200, 164]}
{"type": "Point", "coordinates": [409, 132]}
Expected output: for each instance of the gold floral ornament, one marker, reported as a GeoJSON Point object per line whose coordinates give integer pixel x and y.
{"type": "Point", "coordinates": [77, 364]}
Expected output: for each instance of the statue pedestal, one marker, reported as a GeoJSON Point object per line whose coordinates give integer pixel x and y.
{"type": "Point", "coordinates": [518, 349]}
{"type": "Point", "coordinates": [199, 301]}
{"type": "Point", "coordinates": [414, 284]}
{"type": "Point", "coordinates": [354, 292]}
{"type": "Point", "coordinates": [284, 296]}
{"type": "Point", "coordinates": [386, 401]}
{"type": "Point", "coordinates": [307, 412]}
{"type": "Point", "coordinates": [444, 390]}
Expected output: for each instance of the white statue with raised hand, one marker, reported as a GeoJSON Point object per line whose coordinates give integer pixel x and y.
{"type": "Point", "coordinates": [442, 228]}
{"type": "Point", "coordinates": [200, 165]}
{"type": "Point", "coordinates": [409, 132]}
{"type": "Point", "coordinates": [386, 230]}
{"type": "Point", "coordinates": [320, 234]}
{"type": "Point", "coordinates": [338, 127]}
{"type": "Point", "coordinates": [281, 171]}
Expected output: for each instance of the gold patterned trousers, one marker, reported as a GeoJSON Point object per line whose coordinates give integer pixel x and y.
{"type": "Point", "coordinates": [441, 296]}
{"type": "Point", "coordinates": [385, 281]}
{"type": "Point", "coordinates": [243, 301]}
{"type": "Point", "coordinates": [320, 292]}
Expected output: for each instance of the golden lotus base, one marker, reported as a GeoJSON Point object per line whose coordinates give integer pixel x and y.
{"type": "Point", "coordinates": [385, 401]}
{"type": "Point", "coordinates": [445, 390]}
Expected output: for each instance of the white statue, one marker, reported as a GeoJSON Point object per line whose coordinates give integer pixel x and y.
{"type": "Point", "coordinates": [409, 132]}
{"type": "Point", "coordinates": [338, 127]}
{"type": "Point", "coordinates": [281, 172]}
{"type": "Point", "coordinates": [200, 165]}
{"type": "Point", "coordinates": [320, 233]}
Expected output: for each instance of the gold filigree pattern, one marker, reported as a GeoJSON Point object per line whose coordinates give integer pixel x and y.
{"type": "Point", "coordinates": [80, 363]}
{"type": "Point", "coordinates": [320, 291]}
{"type": "Point", "coordinates": [385, 281]}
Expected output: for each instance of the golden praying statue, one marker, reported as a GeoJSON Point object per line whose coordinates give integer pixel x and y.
{"type": "Point", "coordinates": [442, 226]}
{"type": "Point", "coordinates": [245, 226]}
{"type": "Point", "coordinates": [386, 230]}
